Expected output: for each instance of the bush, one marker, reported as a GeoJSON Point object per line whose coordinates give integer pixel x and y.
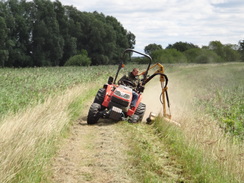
{"type": "Point", "coordinates": [78, 60]}
{"type": "Point", "coordinates": [197, 55]}
{"type": "Point", "coordinates": [192, 54]}
{"type": "Point", "coordinates": [140, 60]}
{"type": "Point", "coordinates": [168, 56]}
{"type": "Point", "coordinates": [231, 54]}
{"type": "Point", "coordinates": [208, 56]}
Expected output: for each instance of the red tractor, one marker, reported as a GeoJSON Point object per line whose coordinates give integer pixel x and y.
{"type": "Point", "coordinates": [113, 100]}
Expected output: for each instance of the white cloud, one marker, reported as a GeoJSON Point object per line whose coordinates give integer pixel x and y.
{"type": "Point", "coordinates": [168, 21]}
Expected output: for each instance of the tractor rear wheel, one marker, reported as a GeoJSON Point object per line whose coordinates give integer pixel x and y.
{"type": "Point", "coordinates": [93, 114]}
{"type": "Point", "coordinates": [140, 111]}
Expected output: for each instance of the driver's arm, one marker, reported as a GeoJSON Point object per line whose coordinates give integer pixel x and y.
{"type": "Point", "coordinates": [121, 79]}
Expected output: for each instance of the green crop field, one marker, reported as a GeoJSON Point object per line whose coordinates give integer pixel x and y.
{"type": "Point", "coordinates": [22, 87]}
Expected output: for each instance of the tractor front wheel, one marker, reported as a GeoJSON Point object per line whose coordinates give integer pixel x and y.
{"type": "Point", "coordinates": [140, 111]}
{"type": "Point", "coordinates": [93, 114]}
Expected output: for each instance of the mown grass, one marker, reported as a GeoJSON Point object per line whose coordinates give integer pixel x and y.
{"type": "Point", "coordinates": [149, 159]}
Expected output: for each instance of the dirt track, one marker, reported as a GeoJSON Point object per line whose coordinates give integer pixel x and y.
{"type": "Point", "coordinates": [92, 154]}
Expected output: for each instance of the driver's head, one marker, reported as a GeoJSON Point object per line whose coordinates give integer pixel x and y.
{"type": "Point", "coordinates": [135, 71]}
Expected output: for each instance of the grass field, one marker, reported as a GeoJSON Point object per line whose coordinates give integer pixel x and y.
{"type": "Point", "coordinates": [206, 98]}
{"type": "Point", "coordinates": [39, 104]}
{"type": "Point", "coordinates": [217, 90]}
{"type": "Point", "coordinates": [22, 87]}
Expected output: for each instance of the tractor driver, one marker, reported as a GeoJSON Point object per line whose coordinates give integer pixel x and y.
{"type": "Point", "coordinates": [131, 80]}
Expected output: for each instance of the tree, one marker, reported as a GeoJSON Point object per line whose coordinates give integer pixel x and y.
{"type": "Point", "coordinates": [192, 54]}
{"type": "Point", "coordinates": [217, 47]}
{"type": "Point", "coordinates": [3, 37]}
{"type": "Point", "coordinates": [151, 48]}
{"type": "Point", "coordinates": [168, 56]}
{"type": "Point", "coordinates": [131, 39]}
{"type": "Point", "coordinates": [241, 49]}
{"type": "Point", "coordinates": [227, 52]}
{"type": "Point", "coordinates": [18, 42]}
{"type": "Point", "coordinates": [46, 33]}
{"type": "Point", "coordinates": [52, 41]}
{"type": "Point", "coordinates": [121, 39]}
{"type": "Point", "coordinates": [208, 56]}
{"type": "Point", "coordinates": [230, 53]}
{"type": "Point", "coordinates": [181, 46]}
{"type": "Point", "coordinates": [79, 60]}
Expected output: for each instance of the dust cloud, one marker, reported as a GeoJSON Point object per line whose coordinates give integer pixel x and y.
{"type": "Point", "coordinates": [178, 99]}
{"type": "Point", "coordinates": [151, 97]}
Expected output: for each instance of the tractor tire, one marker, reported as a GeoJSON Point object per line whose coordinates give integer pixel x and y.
{"type": "Point", "coordinates": [140, 111]}
{"type": "Point", "coordinates": [93, 114]}
{"type": "Point", "coordinates": [100, 96]}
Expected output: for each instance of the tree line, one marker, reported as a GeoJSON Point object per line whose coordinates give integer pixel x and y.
{"type": "Point", "coordinates": [183, 52]}
{"type": "Point", "coordinates": [44, 33]}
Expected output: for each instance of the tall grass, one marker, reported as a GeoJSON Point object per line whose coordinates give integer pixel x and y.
{"type": "Point", "coordinates": [224, 100]}
{"type": "Point", "coordinates": [215, 89]}
{"type": "Point", "coordinates": [29, 138]}
{"type": "Point", "coordinates": [20, 88]}
{"type": "Point", "coordinates": [200, 159]}
{"type": "Point", "coordinates": [211, 154]}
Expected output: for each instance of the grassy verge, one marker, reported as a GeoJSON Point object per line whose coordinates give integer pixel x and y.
{"type": "Point", "coordinates": [202, 96]}
{"type": "Point", "coordinates": [197, 163]}
{"type": "Point", "coordinates": [29, 139]}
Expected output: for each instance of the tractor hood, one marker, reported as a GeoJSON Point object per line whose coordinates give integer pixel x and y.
{"type": "Point", "coordinates": [123, 93]}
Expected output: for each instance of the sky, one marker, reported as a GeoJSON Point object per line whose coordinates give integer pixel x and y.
{"type": "Point", "coordinates": [165, 22]}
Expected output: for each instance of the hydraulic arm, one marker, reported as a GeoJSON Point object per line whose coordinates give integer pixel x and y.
{"type": "Point", "coordinates": [164, 98]}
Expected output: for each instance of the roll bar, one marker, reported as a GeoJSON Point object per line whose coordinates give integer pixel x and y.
{"type": "Point", "coordinates": [123, 58]}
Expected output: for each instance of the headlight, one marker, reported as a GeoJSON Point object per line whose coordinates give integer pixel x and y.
{"type": "Point", "coordinates": [122, 94]}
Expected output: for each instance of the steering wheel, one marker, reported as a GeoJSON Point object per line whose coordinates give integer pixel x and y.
{"type": "Point", "coordinates": [127, 82]}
